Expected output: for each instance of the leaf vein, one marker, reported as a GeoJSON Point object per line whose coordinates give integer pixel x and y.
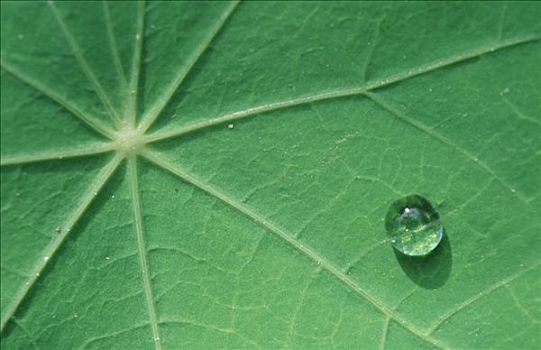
{"type": "Point", "coordinates": [282, 234]}
{"type": "Point", "coordinates": [136, 68]}
{"type": "Point", "coordinates": [112, 43]}
{"type": "Point", "coordinates": [92, 122]}
{"type": "Point", "coordinates": [69, 153]}
{"type": "Point", "coordinates": [83, 64]}
{"type": "Point", "coordinates": [49, 252]}
{"type": "Point", "coordinates": [132, 175]}
{"type": "Point", "coordinates": [155, 110]}
{"type": "Point", "coordinates": [441, 320]}
{"type": "Point", "coordinates": [328, 95]}
{"type": "Point", "coordinates": [433, 133]}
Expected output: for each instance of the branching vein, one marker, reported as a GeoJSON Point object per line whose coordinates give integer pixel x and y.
{"type": "Point", "coordinates": [49, 252]}
{"type": "Point", "coordinates": [132, 175]}
{"type": "Point", "coordinates": [441, 320]}
{"type": "Point", "coordinates": [284, 235]}
{"type": "Point", "coordinates": [384, 332]}
{"type": "Point", "coordinates": [328, 95]}
{"type": "Point", "coordinates": [433, 133]}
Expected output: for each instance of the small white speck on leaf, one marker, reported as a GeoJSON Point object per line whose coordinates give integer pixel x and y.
{"type": "Point", "coordinates": [230, 126]}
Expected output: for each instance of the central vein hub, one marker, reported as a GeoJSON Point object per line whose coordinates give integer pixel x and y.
{"type": "Point", "coordinates": [129, 140]}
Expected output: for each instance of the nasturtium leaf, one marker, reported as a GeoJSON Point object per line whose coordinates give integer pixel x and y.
{"type": "Point", "coordinates": [217, 174]}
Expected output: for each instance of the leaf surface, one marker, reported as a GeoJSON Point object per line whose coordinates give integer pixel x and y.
{"type": "Point", "coordinates": [216, 174]}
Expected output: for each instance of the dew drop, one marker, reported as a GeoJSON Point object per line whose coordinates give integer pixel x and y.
{"type": "Point", "coordinates": [58, 229]}
{"type": "Point", "coordinates": [230, 126]}
{"type": "Point", "coordinates": [45, 258]}
{"type": "Point", "coordinates": [137, 37]}
{"type": "Point", "coordinates": [413, 226]}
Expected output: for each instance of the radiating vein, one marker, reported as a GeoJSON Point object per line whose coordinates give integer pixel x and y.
{"type": "Point", "coordinates": [69, 153]}
{"type": "Point", "coordinates": [328, 95]}
{"type": "Point", "coordinates": [133, 90]}
{"type": "Point", "coordinates": [113, 44]}
{"type": "Point", "coordinates": [155, 110]}
{"type": "Point", "coordinates": [84, 64]}
{"type": "Point", "coordinates": [132, 176]}
{"type": "Point", "coordinates": [309, 252]}
{"type": "Point", "coordinates": [433, 133]}
{"type": "Point", "coordinates": [92, 122]}
{"type": "Point", "coordinates": [441, 320]}
{"type": "Point", "coordinates": [51, 249]}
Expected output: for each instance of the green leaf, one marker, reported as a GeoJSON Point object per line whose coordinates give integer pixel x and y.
{"type": "Point", "coordinates": [216, 175]}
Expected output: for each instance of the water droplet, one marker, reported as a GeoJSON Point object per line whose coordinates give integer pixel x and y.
{"type": "Point", "coordinates": [45, 258]}
{"type": "Point", "coordinates": [107, 258]}
{"type": "Point", "coordinates": [58, 229]}
{"type": "Point", "coordinates": [230, 126]}
{"type": "Point", "coordinates": [413, 226]}
{"type": "Point", "coordinates": [137, 36]}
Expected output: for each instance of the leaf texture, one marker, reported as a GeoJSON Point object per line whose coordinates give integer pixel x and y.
{"type": "Point", "coordinates": [210, 175]}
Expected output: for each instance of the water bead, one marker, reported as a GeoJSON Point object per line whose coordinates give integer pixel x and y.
{"type": "Point", "coordinates": [413, 226]}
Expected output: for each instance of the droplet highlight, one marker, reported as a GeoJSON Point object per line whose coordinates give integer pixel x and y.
{"type": "Point", "coordinates": [413, 226]}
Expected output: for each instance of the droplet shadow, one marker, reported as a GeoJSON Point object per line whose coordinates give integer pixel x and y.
{"type": "Point", "coordinates": [431, 271]}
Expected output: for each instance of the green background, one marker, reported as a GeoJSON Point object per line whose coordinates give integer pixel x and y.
{"type": "Point", "coordinates": [216, 175]}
